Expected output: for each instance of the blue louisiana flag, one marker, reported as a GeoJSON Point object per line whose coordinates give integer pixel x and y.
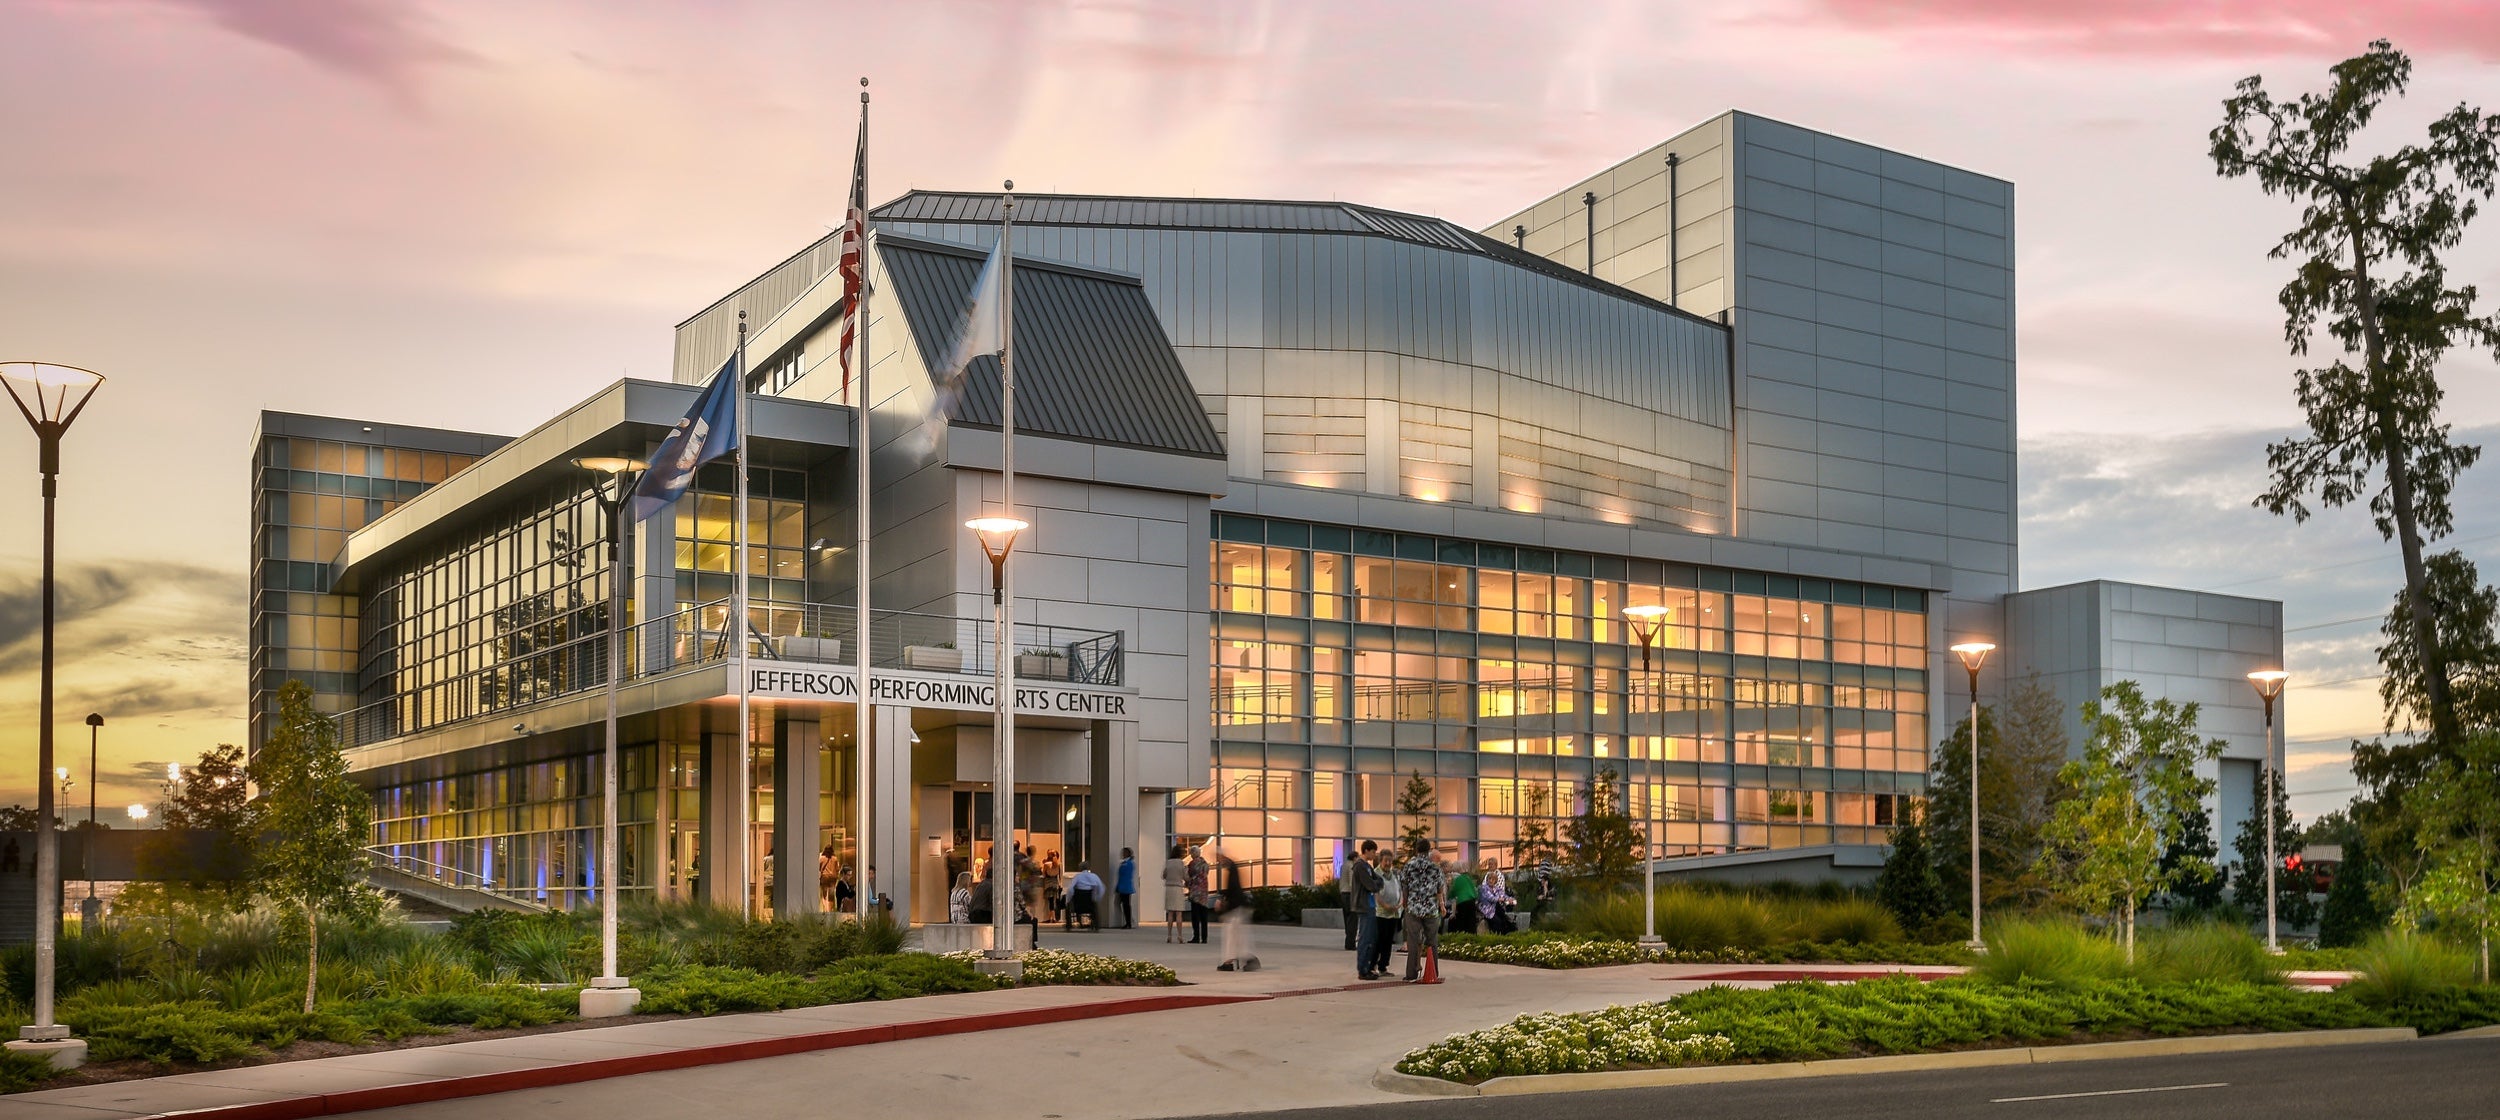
{"type": "Point", "coordinates": [709, 431]}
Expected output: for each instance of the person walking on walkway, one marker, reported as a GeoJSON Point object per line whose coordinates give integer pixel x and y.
{"type": "Point", "coordinates": [1362, 889]}
{"type": "Point", "coordinates": [1124, 885]}
{"type": "Point", "coordinates": [1238, 955]}
{"type": "Point", "coordinates": [1427, 897]}
{"type": "Point", "coordinates": [1175, 895]}
{"type": "Point", "coordinates": [1199, 900]}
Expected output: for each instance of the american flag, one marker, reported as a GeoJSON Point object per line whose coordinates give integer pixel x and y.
{"type": "Point", "coordinates": [854, 234]}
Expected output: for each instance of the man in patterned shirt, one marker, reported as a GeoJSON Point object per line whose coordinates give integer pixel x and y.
{"type": "Point", "coordinates": [1427, 899]}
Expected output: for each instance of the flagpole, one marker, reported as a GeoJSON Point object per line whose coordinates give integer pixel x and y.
{"type": "Point", "coordinates": [1003, 737]}
{"type": "Point", "coordinates": [862, 710]}
{"type": "Point", "coordinates": [741, 630]}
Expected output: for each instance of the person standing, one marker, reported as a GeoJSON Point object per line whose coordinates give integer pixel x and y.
{"type": "Point", "coordinates": [1199, 900]}
{"type": "Point", "coordinates": [1238, 954]}
{"type": "Point", "coordinates": [959, 900]}
{"type": "Point", "coordinates": [1175, 895]}
{"type": "Point", "coordinates": [1427, 897]}
{"type": "Point", "coordinates": [1348, 901]}
{"type": "Point", "coordinates": [1388, 912]}
{"type": "Point", "coordinates": [1463, 891]}
{"type": "Point", "coordinates": [1362, 888]}
{"type": "Point", "coordinates": [1124, 885]}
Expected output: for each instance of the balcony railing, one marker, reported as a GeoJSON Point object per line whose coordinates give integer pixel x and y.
{"type": "Point", "coordinates": [534, 671]}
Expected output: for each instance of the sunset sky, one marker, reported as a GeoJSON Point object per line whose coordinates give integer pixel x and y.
{"type": "Point", "coordinates": [470, 214]}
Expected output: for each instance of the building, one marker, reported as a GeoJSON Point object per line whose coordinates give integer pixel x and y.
{"type": "Point", "coordinates": [1328, 501]}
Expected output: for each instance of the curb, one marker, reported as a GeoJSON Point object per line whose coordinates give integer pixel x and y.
{"type": "Point", "coordinates": [2492, 1031]}
{"type": "Point", "coordinates": [1390, 1080]}
{"type": "Point", "coordinates": [597, 1069]}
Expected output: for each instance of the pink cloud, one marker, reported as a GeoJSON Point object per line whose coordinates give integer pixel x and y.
{"type": "Point", "coordinates": [382, 41]}
{"type": "Point", "coordinates": [2205, 28]}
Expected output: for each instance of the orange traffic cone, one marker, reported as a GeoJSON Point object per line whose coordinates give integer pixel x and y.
{"type": "Point", "coordinates": [1432, 965]}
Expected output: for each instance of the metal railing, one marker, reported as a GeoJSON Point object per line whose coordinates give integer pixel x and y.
{"type": "Point", "coordinates": [534, 672]}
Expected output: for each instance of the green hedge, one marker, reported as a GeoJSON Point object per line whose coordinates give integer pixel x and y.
{"type": "Point", "coordinates": [1540, 949]}
{"type": "Point", "coordinates": [1896, 1015]}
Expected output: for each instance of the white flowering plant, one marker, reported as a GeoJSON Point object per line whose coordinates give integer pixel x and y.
{"type": "Point", "coordinates": [1565, 951]}
{"type": "Point", "coordinates": [1641, 1035]}
{"type": "Point", "coordinates": [1043, 967]}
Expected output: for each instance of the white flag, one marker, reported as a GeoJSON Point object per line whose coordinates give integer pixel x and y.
{"type": "Point", "coordinates": [981, 333]}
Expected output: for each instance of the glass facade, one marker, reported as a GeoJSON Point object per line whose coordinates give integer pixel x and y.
{"type": "Point", "coordinates": [1774, 712]}
{"type": "Point", "coordinates": [308, 496]}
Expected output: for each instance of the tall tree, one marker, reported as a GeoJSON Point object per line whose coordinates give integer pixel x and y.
{"type": "Point", "coordinates": [2022, 746]}
{"type": "Point", "coordinates": [310, 823]}
{"type": "Point", "coordinates": [2370, 275]}
{"type": "Point", "coordinates": [2293, 906]}
{"type": "Point", "coordinates": [1605, 847]}
{"type": "Point", "coordinates": [2133, 791]}
{"type": "Point", "coordinates": [1415, 803]}
{"type": "Point", "coordinates": [2352, 911]}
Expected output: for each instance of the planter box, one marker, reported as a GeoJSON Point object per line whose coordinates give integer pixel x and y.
{"type": "Point", "coordinates": [936, 659]}
{"type": "Point", "coordinates": [827, 650]}
{"type": "Point", "coordinates": [956, 939]}
{"type": "Point", "coordinates": [1323, 919]}
{"type": "Point", "coordinates": [1036, 667]}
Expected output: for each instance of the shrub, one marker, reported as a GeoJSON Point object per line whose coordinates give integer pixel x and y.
{"type": "Point", "coordinates": [2206, 952]}
{"type": "Point", "coordinates": [1618, 1037]}
{"type": "Point", "coordinates": [539, 953]}
{"type": "Point", "coordinates": [1859, 920]}
{"type": "Point", "coordinates": [21, 1072]}
{"type": "Point", "coordinates": [494, 1008]}
{"type": "Point", "coordinates": [1543, 949]}
{"type": "Point", "coordinates": [2048, 951]}
{"type": "Point", "coordinates": [1043, 967]}
{"type": "Point", "coordinates": [2398, 967]}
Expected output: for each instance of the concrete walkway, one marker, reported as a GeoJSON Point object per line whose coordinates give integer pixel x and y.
{"type": "Point", "coordinates": [1300, 1031]}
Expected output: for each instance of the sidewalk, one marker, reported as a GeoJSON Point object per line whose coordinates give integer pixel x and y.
{"type": "Point", "coordinates": [1301, 1030]}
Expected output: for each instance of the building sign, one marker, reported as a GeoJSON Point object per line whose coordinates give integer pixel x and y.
{"type": "Point", "coordinates": [792, 680]}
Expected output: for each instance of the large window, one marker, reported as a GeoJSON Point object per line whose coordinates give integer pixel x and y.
{"type": "Point", "coordinates": [1771, 711]}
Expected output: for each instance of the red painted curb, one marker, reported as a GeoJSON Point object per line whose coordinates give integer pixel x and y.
{"type": "Point", "coordinates": [597, 1069]}
{"type": "Point", "coordinates": [1827, 975]}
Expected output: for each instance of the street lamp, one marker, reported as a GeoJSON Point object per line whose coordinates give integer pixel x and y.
{"type": "Point", "coordinates": [89, 911]}
{"type": "Point", "coordinates": [138, 812]}
{"type": "Point", "coordinates": [608, 993]}
{"type": "Point", "coordinates": [2269, 684]}
{"type": "Point", "coordinates": [1974, 654]}
{"type": "Point", "coordinates": [50, 397]}
{"type": "Point", "coordinates": [997, 534]}
{"type": "Point", "coordinates": [1647, 621]}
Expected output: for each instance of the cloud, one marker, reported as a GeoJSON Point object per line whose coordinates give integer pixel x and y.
{"type": "Point", "coordinates": [2214, 28]}
{"type": "Point", "coordinates": [385, 42]}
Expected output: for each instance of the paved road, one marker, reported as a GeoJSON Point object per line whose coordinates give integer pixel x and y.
{"type": "Point", "coordinates": [2431, 1079]}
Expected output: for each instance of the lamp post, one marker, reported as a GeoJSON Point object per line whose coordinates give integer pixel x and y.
{"type": "Point", "coordinates": [138, 813]}
{"type": "Point", "coordinates": [1974, 654]}
{"type": "Point", "coordinates": [998, 538]}
{"type": "Point", "coordinates": [90, 910]}
{"type": "Point", "coordinates": [2269, 684]}
{"type": "Point", "coordinates": [50, 397]}
{"type": "Point", "coordinates": [608, 993]}
{"type": "Point", "coordinates": [1647, 621]}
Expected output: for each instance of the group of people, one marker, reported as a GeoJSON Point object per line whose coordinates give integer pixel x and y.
{"type": "Point", "coordinates": [1043, 890]}
{"type": "Point", "coordinates": [1389, 896]}
{"type": "Point", "coordinates": [839, 888]}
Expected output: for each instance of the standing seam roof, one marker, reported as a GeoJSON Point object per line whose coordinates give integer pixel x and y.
{"type": "Point", "coordinates": [1092, 361]}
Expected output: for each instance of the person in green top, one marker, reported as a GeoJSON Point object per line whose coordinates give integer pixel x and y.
{"type": "Point", "coordinates": [1463, 902]}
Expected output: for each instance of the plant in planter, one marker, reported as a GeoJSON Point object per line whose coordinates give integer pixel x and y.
{"type": "Point", "coordinates": [940, 657]}
{"type": "Point", "coordinates": [812, 647]}
{"type": "Point", "coordinates": [1044, 663]}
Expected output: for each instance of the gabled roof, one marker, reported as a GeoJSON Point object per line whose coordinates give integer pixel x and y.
{"type": "Point", "coordinates": [1092, 361]}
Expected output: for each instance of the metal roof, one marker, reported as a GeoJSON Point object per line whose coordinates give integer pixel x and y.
{"type": "Point", "coordinates": [1092, 360]}
{"type": "Point", "coordinates": [1249, 215]}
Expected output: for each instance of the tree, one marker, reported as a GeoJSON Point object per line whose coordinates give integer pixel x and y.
{"type": "Point", "coordinates": [1415, 804]}
{"type": "Point", "coordinates": [2133, 790]}
{"type": "Point", "coordinates": [204, 847]}
{"type": "Point", "coordinates": [2370, 274]}
{"type": "Point", "coordinates": [2196, 880]}
{"type": "Point", "coordinates": [1908, 885]}
{"type": "Point", "coordinates": [1605, 848]}
{"type": "Point", "coordinates": [2293, 906]}
{"type": "Point", "coordinates": [2022, 745]}
{"type": "Point", "coordinates": [2352, 911]}
{"type": "Point", "coordinates": [310, 823]}
{"type": "Point", "coordinates": [2457, 813]}
{"type": "Point", "coordinates": [22, 818]}
{"type": "Point", "coordinates": [2467, 631]}
{"type": "Point", "coordinates": [1535, 842]}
